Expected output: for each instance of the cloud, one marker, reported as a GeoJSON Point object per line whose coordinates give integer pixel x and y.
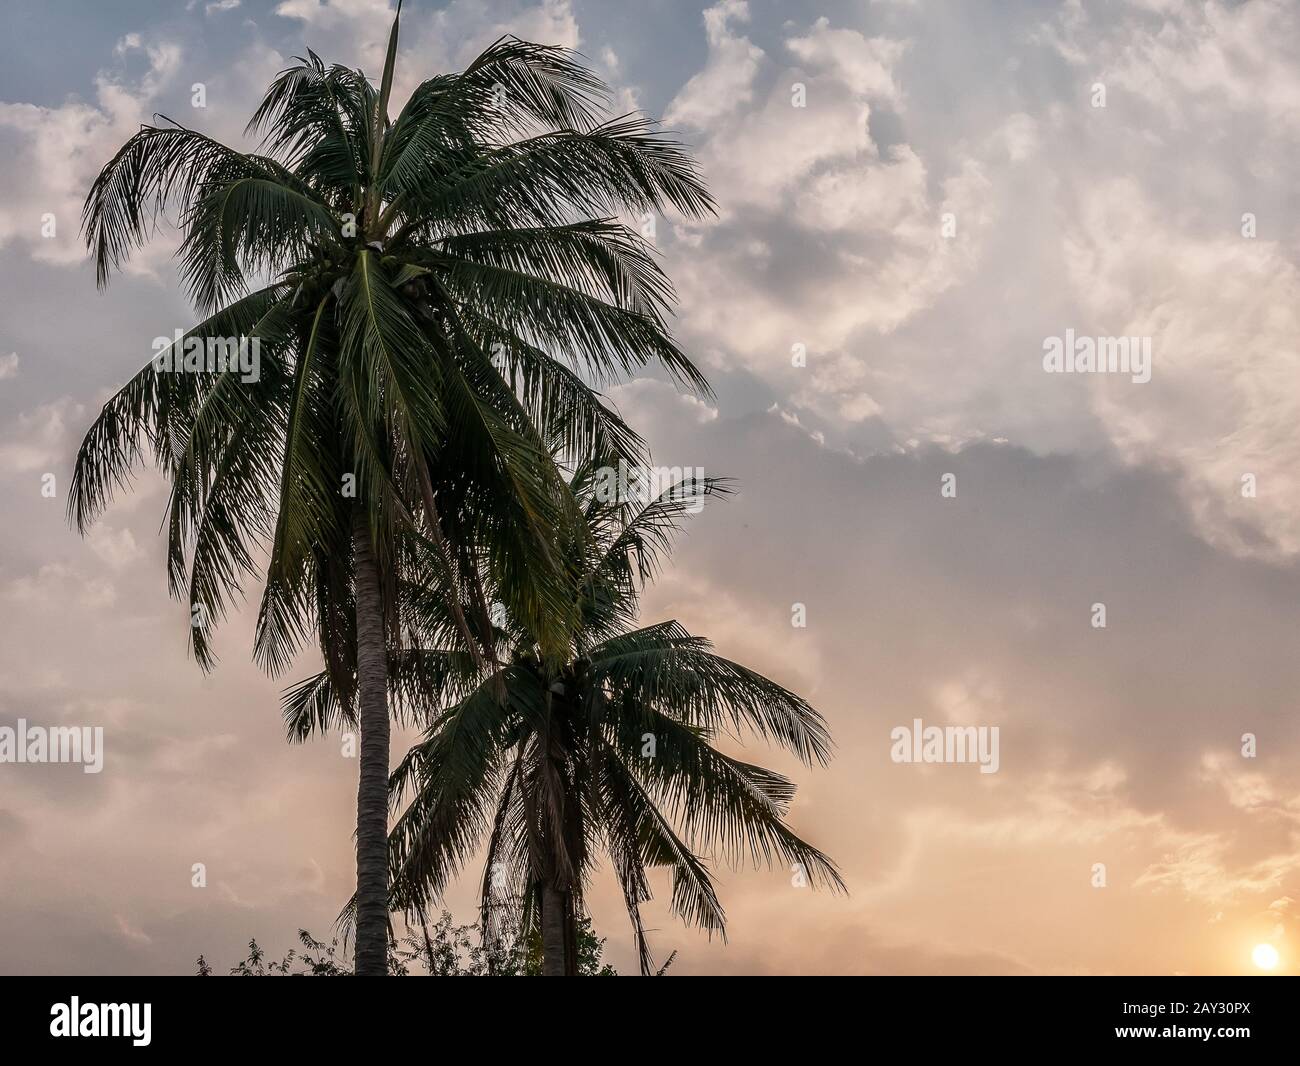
{"type": "Point", "coordinates": [824, 234]}
{"type": "Point", "coordinates": [975, 611]}
{"type": "Point", "coordinates": [867, 65]}
{"type": "Point", "coordinates": [920, 272]}
{"type": "Point", "coordinates": [334, 13]}
{"type": "Point", "coordinates": [115, 548]}
{"type": "Point", "coordinates": [55, 585]}
{"type": "Point", "coordinates": [131, 932]}
{"type": "Point", "coordinates": [1223, 313]}
{"type": "Point", "coordinates": [727, 80]}
{"type": "Point", "coordinates": [432, 41]}
{"type": "Point", "coordinates": [1193, 60]}
{"type": "Point", "coordinates": [38, 440]}
{"type": "Point", "coordinates": [52, 154]}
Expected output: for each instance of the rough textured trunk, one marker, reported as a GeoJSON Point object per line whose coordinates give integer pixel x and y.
{"type": "Point", "coordinates": [372, 787]}
{"type": "Point", "coordinates": [554, 908]}
{"type": "Point", "coordinates": [570, 937]}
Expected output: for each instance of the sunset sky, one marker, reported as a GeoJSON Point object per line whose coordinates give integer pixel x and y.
{"type": "Point", "coordinates": [949, 196]}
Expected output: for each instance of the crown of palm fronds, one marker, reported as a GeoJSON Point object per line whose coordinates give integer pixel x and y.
{"type": "Point", "coordinates": [434, 295]}
{"type": "Point", "coordinates": [560, 770]}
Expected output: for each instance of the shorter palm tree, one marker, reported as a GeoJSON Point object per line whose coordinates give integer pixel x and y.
{"type": "Point", "coordinates": [611, 749]}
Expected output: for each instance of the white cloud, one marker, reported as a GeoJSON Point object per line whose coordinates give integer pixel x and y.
{"type": "Point", "coordinates": [1224, 399]}
{"type": "Point", "coordinates": [1197, 59]}
{"type": "Point", "coordinates": [55, 585]}
{"type": "Point", "coordinates": [865, 64]}
{"type": "Point", "coordinates": [335, 13]}
{"type": "Point", "coordinates": [727, 80]}
{"type": "Point", "coordinates": [818, 166]}
{"type": "Point", "coordinates": [802, 181]}
{"type": "Point", "coordinates": [431, 42]}
{"type": "Point", "coordinates": [115, 548]}
{"type": "Point", "coordinates": [38, 440]}
{"type": "Point", "coordinates": [52, 154]}
{"type": "Point", "coordinates": [830, 236]}
{"type": "Point", "coordinates": [130, 931]}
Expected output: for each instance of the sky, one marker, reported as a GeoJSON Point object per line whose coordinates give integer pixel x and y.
{"type": "Point", "coordinates": [914, 197]}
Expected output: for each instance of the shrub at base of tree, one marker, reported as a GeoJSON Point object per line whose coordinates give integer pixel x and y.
{"type": "Point", "coordinates": [440, 950]}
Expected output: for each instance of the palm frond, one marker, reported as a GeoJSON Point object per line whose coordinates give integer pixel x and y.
{"type": "Point", "coordinates": [664, 666]}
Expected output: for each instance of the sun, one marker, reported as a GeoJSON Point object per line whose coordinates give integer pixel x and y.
{"type": "Point", "coordinates": [1264, 956]}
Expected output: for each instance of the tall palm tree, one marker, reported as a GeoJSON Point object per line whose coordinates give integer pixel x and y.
{"type": "Point", "coordinates": [609, 749]}
{"type": "Point", "coordinates": [435, 297]}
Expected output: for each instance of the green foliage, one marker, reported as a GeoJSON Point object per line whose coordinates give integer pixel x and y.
{"type": "Point", "coordinates": [434, 298]}
{"type": "Point", "coordinates": [441, 950]}
{"type": "Point", "coordinates": [444, 286]}
{"type": "Point", "coordinates": [528, 961]}
{"type": "Point", "coordinates": [611, 749]}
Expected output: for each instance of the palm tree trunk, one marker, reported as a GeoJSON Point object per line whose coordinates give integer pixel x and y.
{"type": "Point", "coordinates": [554, 957]}
{"type": "Point", "coordinates": [372, 786]}
{"type": "Point", "coordinates": [570, 937]}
